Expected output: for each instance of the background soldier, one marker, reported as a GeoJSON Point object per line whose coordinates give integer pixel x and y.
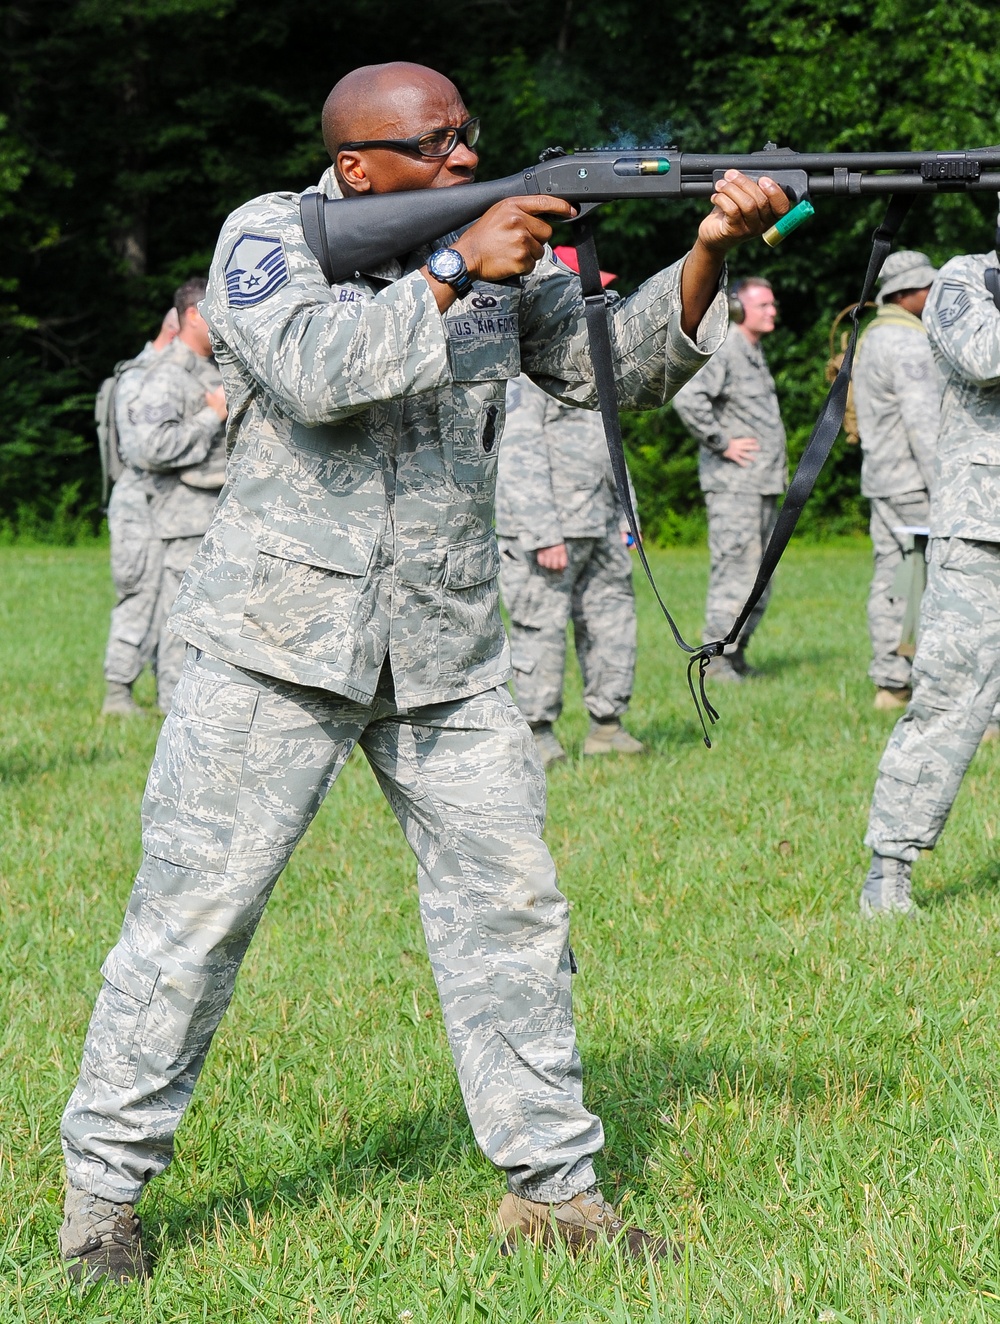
{"type": "Point", "coordinates": [136, 551]}
{"type": "Point", "coordinates": [731, 407]}
{"type": "Point", "coordinates": [897, 394]}
{"type": "Point", "coordinates": [563, 557]}
{"type": "Point", "coordinates": [177, 437]}
{"type": "Point", "coordinates": [346, 595]}
{"type": "Point", "coordinates": [956, 670]}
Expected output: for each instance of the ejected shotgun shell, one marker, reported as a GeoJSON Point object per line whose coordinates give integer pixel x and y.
{"type": "Point", "coordinates": [791, 220]}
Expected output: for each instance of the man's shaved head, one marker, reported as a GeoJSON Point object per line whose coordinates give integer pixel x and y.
{"type": "Point", "coordinates": [384, 101]}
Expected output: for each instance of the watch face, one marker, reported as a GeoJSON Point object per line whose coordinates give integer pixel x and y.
{"type": "Point", "coordinates": [446, 264]}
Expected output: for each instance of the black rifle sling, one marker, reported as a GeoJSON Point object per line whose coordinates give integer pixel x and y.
{"type": "Point", "coordinates": [991, 278]}
{"type": "Point", "coordinates": [818, 448]}
{"type": "Point", "coordinates": [602, 358]}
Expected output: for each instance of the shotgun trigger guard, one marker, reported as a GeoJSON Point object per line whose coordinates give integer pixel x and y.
{"type": "Point", "coordinates": [583, 209]}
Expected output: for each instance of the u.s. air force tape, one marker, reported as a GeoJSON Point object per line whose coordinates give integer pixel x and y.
{"type": "Point", "coordinates": [256, 267]}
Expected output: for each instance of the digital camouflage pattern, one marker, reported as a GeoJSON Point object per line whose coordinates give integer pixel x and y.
{"type": "Point", "coordinates": [956, 685]}
{"type": "Point", "coordinates": [178, 443]}
{"type": "Point", "coordinates": [963, 327]}
{"type": "Point", "coordinates": [136, 571]}
{"type": "Point", "coordinates": [355, 530]}
{"type": "Point", "coordinates": [555, 485]}
{"type": "Point", "coordinates": [739, 525]}
{"type": "Point", "coordinates": [897, 395]}
{"type": "Point", "coordinates": [178, 440]}
{"type": "Point", "coordinates": [887, 596]}
{"type": "Point", "coordinates": [468, 789]}
{"type": "Point", "coordinates": [364, 432]}
{"type": "Point", "coordinates": [136, 553]}
{"type": "Point", "coordinates": [554, 476]}
{"type": "Point", "coordinates": [956, 670]}
{"type": "Point", "coordinates": [733, 396]}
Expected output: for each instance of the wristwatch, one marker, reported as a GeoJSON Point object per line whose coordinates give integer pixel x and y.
{"type": "Point", "coordinates": [448, 266]}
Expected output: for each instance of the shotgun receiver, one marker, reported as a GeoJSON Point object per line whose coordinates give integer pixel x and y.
{"type": "Point", "coordinates": [360, 234]}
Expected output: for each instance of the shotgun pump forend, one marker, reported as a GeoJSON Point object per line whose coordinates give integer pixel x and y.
{"type": "Point", "coordinates": [361, 234]}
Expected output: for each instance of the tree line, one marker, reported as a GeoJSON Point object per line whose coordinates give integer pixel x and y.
{"type": "Point", "coordinates": [130, 128]}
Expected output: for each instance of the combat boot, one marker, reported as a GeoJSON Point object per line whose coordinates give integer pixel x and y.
{"type": "Point", "coordinates": [738, 662]}
{"type": "Point", "coordinates": [581, 1223]}
{"type": "Point", "coordinates": [888, 700]}
{"type": "Point", "coordinates": [101, 1239]}
{"type": "Point", "coordinates": [118, 701]}
{"type": "Point", "coordinates": [549, 749]}
{"type": "Point", "coordinates": [611, 738]}
{"type": "Point", "coordinates": [721, 668]}
{"type": "Point", "coordinates": [887, 888]}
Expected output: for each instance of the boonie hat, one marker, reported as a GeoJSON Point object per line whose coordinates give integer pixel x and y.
{"type": "Point", "coordinates": [566, 254]}
{"type": "Point", "coordinates": [905, 270]}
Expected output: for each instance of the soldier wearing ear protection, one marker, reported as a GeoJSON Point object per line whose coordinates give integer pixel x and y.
{"type": "Point", "coordinates": [731, 407]}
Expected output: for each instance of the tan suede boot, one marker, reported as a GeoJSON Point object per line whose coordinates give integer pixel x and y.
{"type": "Point", "coordinates": [581, 1223]}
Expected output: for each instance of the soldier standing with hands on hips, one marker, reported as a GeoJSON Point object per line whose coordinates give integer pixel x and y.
{"type": "Point", "coordinates": [346, 594]}
{"type": "Point", "coordinates": [731, 407]}
{"type": "Point", "coordinates": [563, 537]}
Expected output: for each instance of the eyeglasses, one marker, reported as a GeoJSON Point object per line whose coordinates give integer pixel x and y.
{"type": "Point", "coordinates": [435, 142]}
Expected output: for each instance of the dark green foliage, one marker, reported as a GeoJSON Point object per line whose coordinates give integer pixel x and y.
{"type": "Point", "coordinates": [128, 130]}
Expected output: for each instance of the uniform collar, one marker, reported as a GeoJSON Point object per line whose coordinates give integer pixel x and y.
{"type": "Point", "coordinates": [892, 312]}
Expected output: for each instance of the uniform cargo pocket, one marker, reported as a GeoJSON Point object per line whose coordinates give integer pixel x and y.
{"type": "Point", "coordinates": [113, 1040]}
{"type": "Point", "coordinates": [470, 608]}
{"type": "Point", "coordinates": [307, 585]}
{"type": "Point", "coordinates": [129, 554]}
{"type": "Point", "coordinates": [192, 794]}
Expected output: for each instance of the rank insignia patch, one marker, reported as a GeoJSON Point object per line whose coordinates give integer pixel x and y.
{"type": "Point", "coordinates": [257, 267]}
{"type": "Point", "coordinates": [953, 303]}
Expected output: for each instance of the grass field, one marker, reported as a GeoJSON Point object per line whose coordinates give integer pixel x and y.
{"type": "Point", "coordinates": [810, 1101]}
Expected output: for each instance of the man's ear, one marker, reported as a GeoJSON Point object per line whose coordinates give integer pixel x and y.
{"type": "Point", "coordinates": [351, 170]}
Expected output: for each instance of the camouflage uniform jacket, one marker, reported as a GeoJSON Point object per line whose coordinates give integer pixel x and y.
{"type": "Point", "coordinates": [363, 427]}
{"type": "Point", "coordinates": [963, 326]}
{"type": "Point", "coordinates": [554, 477]}
{"type": "Point", "coordinates": [178, 440]}
{"type": "Point", "coordinates": [897, 393]}
{"type": "Point", "coordinates": [734, 396]}
{"type": "Point", "coordinates": [126, 394]}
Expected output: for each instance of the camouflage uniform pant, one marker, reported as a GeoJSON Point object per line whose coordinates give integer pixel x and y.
{"type": "Point", "coordinates": [739, 525]}
{"type": "Point", "coordinates": [242, 765]}
{"type": "Point", "coordinates": [136, 571]}
{"type": "Point", "coordinates": [956, 683]}
{"type": "Point", "coordinates": [595, 592]}
{"type": "Point", "coordinates": [885, 611]}
{"type": "Point", "coordinates": [178, 553]}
